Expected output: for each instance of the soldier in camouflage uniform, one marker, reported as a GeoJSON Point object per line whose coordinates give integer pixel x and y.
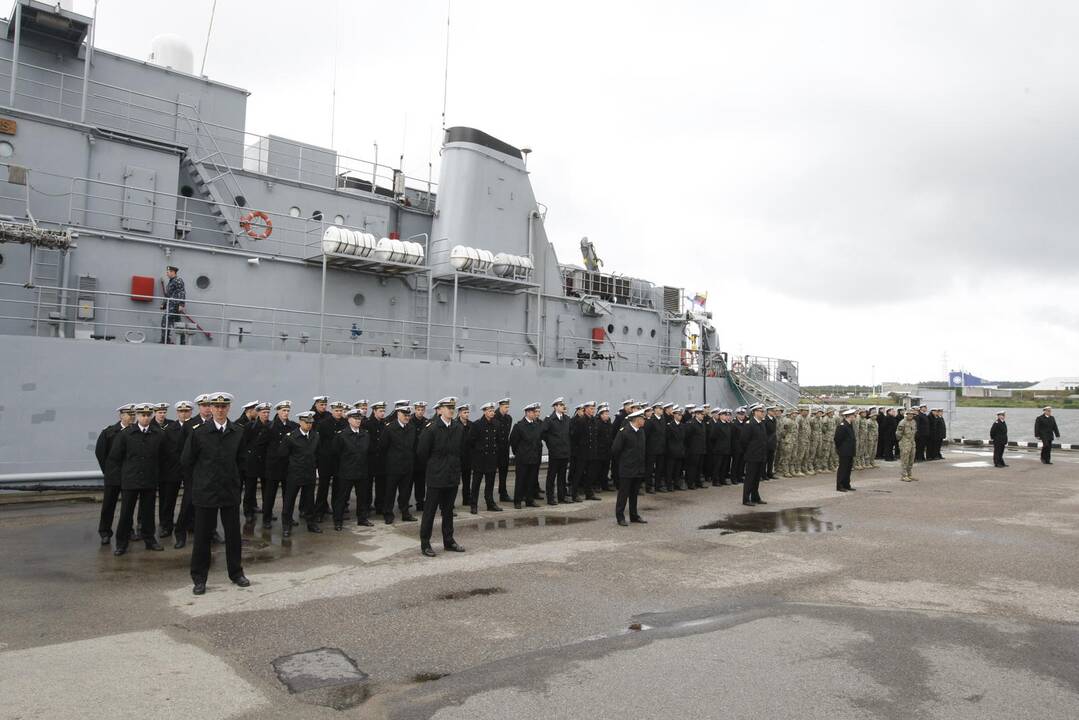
{"type": "Point", "coordinates": [788, 443]}
{"type": "Point", "coordinates": [859, 439]}
{"type": "Point", "coordinates": [833, 423]}
{"type": "Point", "coordinates": [813, 442]}
{"type": "Point", "coordinates": [802, 444]}
{"type": "Point", "coordinates": [873, 430]}
{"type": "Point", "coordinates": [904, 433]}
{"type": "Point", "coordinates": [825, 439]}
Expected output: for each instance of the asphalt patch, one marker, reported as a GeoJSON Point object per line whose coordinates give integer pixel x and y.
{"type": "Point", "coordinates": [791, 520]}
{"type": "Point", "coordinates": [321, 668]}
{"type": "Point", "coordinates": [422, 677]}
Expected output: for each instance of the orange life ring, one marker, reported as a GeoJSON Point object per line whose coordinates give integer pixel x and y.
{"type": "Point", "coordinates": [737, 367]}
{"type": "Point", "coordinates": [245, 225]}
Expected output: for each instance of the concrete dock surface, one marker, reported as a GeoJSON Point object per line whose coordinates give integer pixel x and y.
{"type": "Point", "coordinates": [956, 596]}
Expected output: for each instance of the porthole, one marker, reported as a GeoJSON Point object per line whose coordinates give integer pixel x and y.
{"type": "Point", "coordinates": [358, 299]}
{"type": "Point", "coordinates": [625, 329]}
{"type": "Point", "coordinates": [294, 211]}
{"type": "Point", "coordinates": [338, 219]}
{"type": "Point", "coordinates": [640, 331]}
{"type": "Point", "coordinates": [241, 201]}
{"type": "Point", "coordinates": [202, 282]}
{"type": "Point", "coordinates": [187, 191]}
{"type": "Point", "coordinates": [6, 149]}
{"type": "Point", "coordinates": [1, 259]}
{"type": "Point", "coordinates": [610, 328]}
{"type": "Point", "coordinates": [317, 215]}
{"type": "Point", "coordinates": [652, 333]}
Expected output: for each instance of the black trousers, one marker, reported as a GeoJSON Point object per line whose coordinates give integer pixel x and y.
{"type": "Point", "coordinates": [579, 477]}
{"type": "Point", "coordinates": [168, 319]}
{"type": "Point", "coordinates": [487, 478]}
{"type": "Point", "coordinates": [379, 485]}
{"type": "Point", "coordinates": [614, 473]}
{"type": "Point", "coordinates": [441, 499]}
{"type": "Point", "coordinates": [205, 526]}
{"type": "Point", "coordinates": [722, 469]}
{"type": "Point", "coordinates": [556, 478]}
{"type": "Point", "coordinates": [108, 508]}
{"type": "Point", "coordinates": [919, 448]}
{"type": "Point", "coordinates": [325, 482]}
{"type": "Point", "coordinates": [770, 464]}
{"type": "Point", "coordinates": [674, 471]}
{"type": "Point", "coordinates": [270, 483]}
{"type": "Point", "coordinates": [842, 474]}
{"type": "Point", "coordinates": [399, 486]}
{"type": "Point", "coordinates": [693, 469]}
{"type": "Point", "coordinates": [185, 520]}
{"type": "Point", "coordinates": [738, 467]}
{"type": "Point", "coordinates": [627, 490]}
{"type": "Point", "coordinates": [342, 489]}
{"type": "Point", "coordinates": [707, 463]}
{"type": "Point", "coordinates": [998, 454]}
{"type": "Point", "coordinates": [251, 486]}
{"type": "Point", "coordinates": [525, 483]}
{"type": "Point", "coordinates": [503, 473]}
{"type": "Point", "coordinates": [145, 500]}
{"type": "Point", "coordinates": [466, 481]}
{"type": "Point", "coordinates": [598, 470]}
{"type": "Point", "coordinates": [307, 495]}
{"type": "Point", "coordinates": [658, 470]}
{"type": "Point", "coordinates": [419, 487]}
{"type": "Point", "coordinates": [1047, 449]}
{"type": "Point", "coordinates": [751, 488]}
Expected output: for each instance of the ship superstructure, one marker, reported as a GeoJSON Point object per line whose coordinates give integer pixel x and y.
{"type": "Point", "coordinates": [306, 271]}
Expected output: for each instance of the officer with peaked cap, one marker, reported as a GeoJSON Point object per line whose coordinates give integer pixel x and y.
{"type": "Point", "coordinates": [375, 425]}
{"type": "Point", "coordinates": [110, 472]}
{"type": "Point", "coordinates": [505, 426]}
{"type": "Point", "coordinates": [352, 471]}
{"type": "Point", "coordinates": [526, 440]}
{"type": "Point", "coordinates": [696, 440]}
{"type": "Point", "coordinates": [629, 450]}
{"type": "Point", "coordinates": [998, 434]}
{"type": "Point", "coordinates": [419, 421]}
{"type": "Point", "coordinates": [1046, 430]}
{"type": "Point", "coordinates": [326, 428]}
{"type": "Point", "coordinates": [464, 417]}
{"type": "Point", "coordinates": [213, 452]}
{"type": "Point", "coordinates": [185, 520]}
{"type": "Point", "coordinates": [299, 448]}
{"type": "Point", "coordinates": [754, 438]}
{"type": "Point", "coordinates": [318, 406]}
{"type": "Point", "coordinates": [600, 466]}
{"type": "Point", "coordinates": [676, 450]}
{"type": "Point", "coordinates": [483, 455]}
{"type": "Point", "coordinates": [440, 452]}
{"type": "Point", "coordinates": [256, 440]}
{"type": "Point", "coordinates": [398, 441]}
{"type": "Point", "coordinates": [137, 452]}
{"type": "Point", "coordinates": [846, 446]}
{"type": "Point", "coordinates": [273, 478]}
{"type": "Point", "coordinates": [556, 437]}
{"type": "Point", "coordinates": [655, 433]}
{"type": "Point", "coordinates": [172, 473]}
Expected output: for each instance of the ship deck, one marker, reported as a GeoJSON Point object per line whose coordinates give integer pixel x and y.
{"type": "Point", "coordinates": [951, 597]}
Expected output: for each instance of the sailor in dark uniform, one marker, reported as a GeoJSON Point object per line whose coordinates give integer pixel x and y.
{"type": "Point", "coordinates": [600, 465]}
{"type": "Point", "coordinates": [273, 476]}
{"type": "Point", "coordinates": [998, 433]}
{"type": "Point", "coordinates": [398, 441]}
{"type": "Point", "coordinates": [707, 461]}
{"type": "Point", "coordinates": [696, 446]}
{"type": "Point", "coordinates": [300, 448]}
{"type": "Point", "coordinates": [846, 445]}
{"type": "Point", "coordinates": [247, 413]}
{"type": "Point", "coordinates": [168, 481]}
{"type": "Point", "coordinates": [754, 438]}
{"type": "Point", "coordinates": [526, 439]}
{"type": "Point", "coordinates": [173, 305]}
{"type": "Point", "coordinates": [110, 472]}
{"type": "Point", "coordinates": [629, 451]}
{"type": "Point", "coordinates": [721, 448]}
{"type": "Point", "coordinates": [583, 451]}
{"type": "Point", "coordinates": [655, 428]}
{"type": "Point", "coordinates": [505, 424]}
{"type": "Point", "coordinates": [676, 450]}
{"type": "Point", "coordinates": [483, 446]}
{"type": "Point", "coordinates": [375, 424]}
{"type": "Point", "coordinates": [137, 451]}
{"type": "Point", "coordinates": [213, 454]}
{"type": "Point", "coordinates": [352, 471]}
{"type": "Point", "coordinates": [440, 453]}
{"type": "Point", "coordinates": [419, 421]}
{"type": "Point", "coordinates": [771, 425]}
{"type": "Point", "coordinates": [256, 440]}
{"type": "Point", "coordinates": [556, 437]}
{"type": "Point", "coordinates": [327, 455]}
{"type": "Point", "coordinates": [185, 520]}
{"type": "Point", "coordinates": [738, 464]}
{"type": "Point", "coordinates": [1045, 429]}
{"type": "Point", "coordinates": [318, 406]}
{"type": "Point", "coordinates": [464, 417]}
{"type": "Point", "coordinates": [921, 435]}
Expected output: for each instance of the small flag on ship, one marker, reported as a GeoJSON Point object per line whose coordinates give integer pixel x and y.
{"type": "Point", "coordinates": [700, 298]}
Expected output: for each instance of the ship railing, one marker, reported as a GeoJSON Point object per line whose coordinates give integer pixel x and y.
{"type": "Point", "coordinates": [759, 367]}
{"type": "Point", "coordinates": [99, 205]}
{"type": "Point", "coordinates": [626, 355]}
{"type": "Point", "coordinates": [58, 94]}
{"type": "Point", "coordinates": [106, 316]}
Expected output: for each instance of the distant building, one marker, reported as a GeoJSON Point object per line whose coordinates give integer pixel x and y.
{"type": "Point", "coordinates": [899, 388]}
{"type": "Point", "coordinates": [986, 391]}
{"type": "Point", "coordinates": [1057, 384]}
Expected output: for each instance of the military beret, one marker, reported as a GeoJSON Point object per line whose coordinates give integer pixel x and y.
{"type": "Point", "coordinates": [184, 405]}
{"type": "Point", "coordinates": [306, 416]}
{"type": "Point", "coordinates": [487, 406]}
{"type": "Point", "coordinates": [378, 404]}
{"type": "Point", "coordinates": [532, 406]}
{"type": "Point", "coordinates": [320, 398]}
{"type": "Point", "coordinates": [449, 401]}
{"type": "Point", "coordinates": [504, 401]}
{"type": "Point", "coordinates": [248, 406]}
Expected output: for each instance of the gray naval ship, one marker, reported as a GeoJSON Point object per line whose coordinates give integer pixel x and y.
{"type": "Point", "coordinates": [306, 271]}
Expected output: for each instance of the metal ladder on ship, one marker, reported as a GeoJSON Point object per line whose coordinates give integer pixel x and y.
{"type": "Point", "coordinates": [45, 279]}
{"type": "Point", "coordinates": [209, 170]}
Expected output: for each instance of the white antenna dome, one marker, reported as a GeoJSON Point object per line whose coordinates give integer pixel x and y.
{"type": "Point", "coordinates": [171, 51]}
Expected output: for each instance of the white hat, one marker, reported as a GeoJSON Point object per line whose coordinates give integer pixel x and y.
{"type": "Point", "coordinates": [262, 406]}
{"type": "Point", "coordinates": [283, 405]}
{"type": "Point", "coordinates": [1000, 412]}
{"type": "Point", "coordinates": [184, 405]}
{"type": "Point", "coordinates": [487, 406]}
{"type": "Point", "coordinates": [464, 406]}
{"type": "Point", "coordinates": [201, 399]}
{"type": "Point", "coordinates": [532, 406]}
{"type": "Point", "coordinates": [248, 406]}
{"type": "Point", "coordinates": [161, 406]}
{"type": "Point", "coordinates": [504, 401]}
{"type": "Point", "coordinates": [588, 403]}
{"type": "Point", "coordinates": [144, 407]}
{"type": "Point", "coordinates": [219, 398]}
{"type": "Point", "coordinates": [338, 405]}
{"type": "Point", "coordinates": [320, 398]}
{"type": "Point", "coordinates": [1047, 407]}
{"type": "Point", "coordinates": [628, 401]}
{"type": "Point", "coordinates": [449, 401]}
{"type": "Point", "coordinates": [306, 416]}
{"type": "Point", "coordinates": [852, 411]}
{"type": "Point", "coordinates": [359, 403]}
{"type": "Point", "coordinates": [419, 404]}
{"type": "Point", "coordinates": [635, 414]}
{"type": "Point", "coordinates": [378, 404]}
{"type": "Point", "coordinates": [354, 412]}
{"type": "Point", "coordinates": [558, 401]}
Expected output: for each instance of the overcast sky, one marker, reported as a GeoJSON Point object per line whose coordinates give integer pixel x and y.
{"type": "Point", "coordinates": [877, 190]}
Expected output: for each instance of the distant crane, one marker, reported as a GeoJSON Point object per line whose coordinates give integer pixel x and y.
{"type": "Point", "coordinates": [592, 263]}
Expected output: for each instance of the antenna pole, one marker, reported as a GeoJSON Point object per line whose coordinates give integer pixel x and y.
{"type": "Point", "coordinates": [446, 67]}
{"type": "Point", "coordinates": [210, 29]}
{"type": "Point", "coordinates": [333, 93]}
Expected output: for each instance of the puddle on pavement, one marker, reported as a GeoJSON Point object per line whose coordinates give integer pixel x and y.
{"type": "Point", "coordinates": [510, 523]}
{"type": "Point", "coordinates": [791, 520]}
{"type": "Point", "coordinates": [474, 592]}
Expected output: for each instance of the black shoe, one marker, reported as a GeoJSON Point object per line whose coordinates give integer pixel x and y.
{"type": "Point", "coordinates": [650, 491]}
{"type": "Point", "coordinates": [748, 504]}
{"type": "Point", "coordinates": [639, 520]}
{"type": "Point", "coordinates": [532, 504]}
{"type": "Point", "coordinates": [427, 550]}
{"type": "Point", "coordinates": [851, 489]}
{"type": "Point", "coordinates": [181, 539]}
{"type": "Point", "coordinates": [454, 547]}
{"type": "Point", "coordinates": [493, 508]}
{"type": "Point", "coordinates": [761, 502]}
{"type": "Point", "coordinates": [152, 544]}
{"type": "Point", "coordinates": [241, 581]}
{"type": "Point", "coordinates": [313, 527]}
{"type": "Point", "coordinates": [249, 518]}
{"type": "Point", "coordinates": [267, 524]}
{"type": "Point", "coordinates": [517, 506]}
{"type": "Point", "coordinates": [287, 531]}
{"type": "Point", "coordinates": [622, 522]}
{"type": "Point", "coordinates": [1004, 464]}
{"type": "Point", "coordinates": [365, 522]}
{"type": "Point", "coordinates": [338, 526]}
{"type": "Point", "coordinates": [553, 502]}
{"type": "Point", "coordinates": [505, 498]}
{"type": "Point", "coordinates": [135, 536]}
{"type": "Point", "coordinates": [474, 510]}
{"type": "Point", "coordinates": [575, 499]}
{"type": "Point", "coordinates": [120, 550]}
{"type": "Point", "coordinates": [106, 538]}
{"type": "Point", "coordinates": [164, 532]}
{"type": "Point", "coordinates": [593, 496]}
{"type": "Point", "coordinates": [199, 589]}
{"type": "Point", "coordinates": [408, 517]}
{"type": "Point", "coordinates": [841, 489]}
{"type": "Point", "coordinates": [388, 519]}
